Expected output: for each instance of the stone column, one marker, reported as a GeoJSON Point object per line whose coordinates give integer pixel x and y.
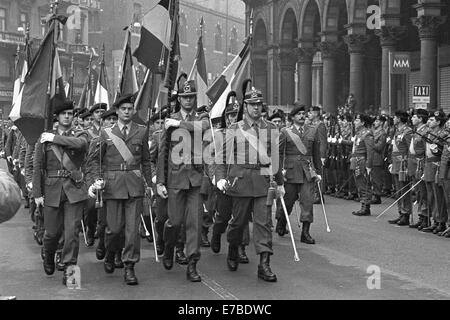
{"type": "Point", "coordinates": [287, 73]}
{"type": "Point", "coordinates": [329, 50]}
{"type": "Point", "coordinates": [428, 32]}
{"type": "Point", "coordinates": [272, 75]}
{"type": "Point", "coordinates": [389, 36]}
{"type": "Point", "coordinates": [355, 43]}
{"type": "Point", "coordinates": [305, 59]}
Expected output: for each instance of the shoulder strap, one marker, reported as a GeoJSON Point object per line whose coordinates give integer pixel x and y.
{"type": "Point", "coordinates": [120, 146]}
{"type": "Point", "coordinates": [255, 144]}
{"type": "Point", "coordinates": [63, 158]}
{"type": "Point", "coordinates": [297, 141]}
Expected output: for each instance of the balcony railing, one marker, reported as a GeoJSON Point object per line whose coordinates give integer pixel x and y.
{"type": "Point", "coordinates": [12, 37]}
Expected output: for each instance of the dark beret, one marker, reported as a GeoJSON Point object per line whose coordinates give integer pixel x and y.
{"type": "Point", "coordinates": [127, 98]}
{"type": "Point", "coordinates": [110, 112]}
{"type": "Point", "coordinates": [297, 109]}
{"type": "Point", "coordinates": [63, 106]}
{"type": "Point", "coordinates": [97, 106]}
{"type": "Point", "coordinates": [85, 114]}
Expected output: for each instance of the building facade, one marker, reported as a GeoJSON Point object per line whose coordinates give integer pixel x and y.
{"type": "Point", "coordinates": [74, 42]}
{"type": "Point", "coordinates": [320, 51]}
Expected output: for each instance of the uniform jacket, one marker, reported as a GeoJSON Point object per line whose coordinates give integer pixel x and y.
{"type": "Point", "coordinates": [29, 155]}
{"type": "Point", "coordinates": [379, 144]}
{"type": "Point", "coordinates": [245, 174]}
{"type": "Point", "coordinates": [433, 160]}
{"type": "Point", "coordinates": [155, 145]}
{"type": "Point", "coordinates": [444, 168]}
{"type": "Point", "coordinates": [417, 148]}
{"type": "Point", "coordinates": [184, 172]}
{"type": "Point", "coordinates": [296, 164]}
{"type": "Point", "coordinates": [322, 132]}
{"type": "Point", "coordinates": [400, 148]}
{"type": "Point", "coordinates": [122, 181]}
{"type": "Point", "coordinates": [362, 153]}
{"type": "Point", "coordinates": [11, 142]}
{"type": "Point", "coordinates": [74, 144]}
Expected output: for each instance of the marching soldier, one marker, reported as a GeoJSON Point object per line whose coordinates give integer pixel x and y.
{"type": "Point", "coordinates": [314, 117]}
{"type": "Point", "coordinates": [361, 161]}
{"type": "Point", "coordinates": [300, 158]}
{"type": "Point", "coordinates": [416, 162]}
{"type": "Point", "coordinates": [181, 182]}
{"type": "Point", "coordinates": [379, 145]}
{"type": "Point", "coordinates": [400, 147]}
{"type": "Point", "coordinates": [58, 186]}
{"type": "Point", "coordinates": [434, 149]}
{"type": "Point", "coordinates": [125, 162]}
{"type": "Point", "coordinates": [248, 180]}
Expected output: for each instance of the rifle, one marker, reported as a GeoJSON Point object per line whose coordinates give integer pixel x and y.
{"type": "Point", "coordinates": [2, 142]}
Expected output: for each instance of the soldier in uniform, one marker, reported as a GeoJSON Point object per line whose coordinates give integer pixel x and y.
{"type": "Point", "coordinates": [125, 162]}
{"type": "Point", "coordinates": [416, 162]}
{"type": "Point", "coordinates": [379, 146]}
{"type": "Point", "coordinates": [300, 159]}
{"type": "Point", "coordinates": [444, 176]}
{"type": "Point", "coordinates": [248, 180]}
{"type": "Point", "coordinates": [181, 182]}
{"type": "Point", "coordinates": [314, 117]}
{"type": "Point", "coordinates": [277, 118]}
{"type": "Point", "coordinates": [435, 193]}
{"type": "Point", "coordinates": [361, 161]}
{"type": "Point", "coordinates": [400, 148]}
{"type": "Point", "coordinates": [59, 187]}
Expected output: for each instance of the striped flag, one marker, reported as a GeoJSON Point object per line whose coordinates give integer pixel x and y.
{"type": "Point", "coordinates": [101, 92]}
{"type": "Point", "coordinates": [231, 79]}
{"type": "Point", "coordinates": [128, 80]}
{"type": "Point", "coordinates": [199, 75]}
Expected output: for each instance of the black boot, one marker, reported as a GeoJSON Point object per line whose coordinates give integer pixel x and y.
{"type": "Point", "coordinates": [233, 258]}
{"type": "Point", "coordinates": [215, 241]}
{"type": "Point", "coordinates": [281, 226]}
{"type": "Point", "coordinates": [440, 228]}
{"type": "Point", "coordinates": [376, 200]}
{"type": "Point", "coordinates": [191, 272]}
{"type": "Point", "coordinates": [205, 242]}
{"type": "Point", "coordinates": [395, 221]}
{"type": "Point", "coordinates": [264, 271]}
{"type": "Point", "coordinates": [242, 255]}
{"type": "Point", "coordinates": [180, 257]}
{"type": "Point", "coordinates": [306, 237]}
{"type": "Point", "coordinates": [100, 252]}
{"type": "Point", "coordinates": [417, 224]}
{"type": "Point", "coordinates": [168, 257]}
{"type": "Point", "coordinates": [118, 263]}
{"type": "Point", "coordinates": [90, 240]}
{"type": "Point", "coordinates": [404, 220]}
{"type": "Point", "coordinates": [445, 232]}
{"type": "Point", "coordinates": [159, 246]}
{"type": "Point", "coordinates": [129, 276]}
{"type": "Point", "coordinates": [364, 211]}
{"type": "Point", "coordinates": [49, 262]}
{"type": "Point", "coordinates": [108, 264]}
{"type": "Point", "coordinates": [59, 264]}
{"type": "Point", "coordinates": [424, 224]}
{"type": "Point", "coordinates": [430, 228]}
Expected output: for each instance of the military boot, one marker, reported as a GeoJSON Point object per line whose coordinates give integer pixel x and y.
{"type": "Point", "coordinates": [440, 228]}
{"type": "Point", "coordinates": [168, 257]}
{"type": "Point", "coordinates": [417, 224]}
{"type": "Point", "coordinates": [180, 257]}
{"type": "Point", "coordinates": [205, 242]}
{"type": "Point", "coordinates": [59, 264]}
{"type": "Point", "coordinates": [128, 275]}
{"type": "Point", "coordinates": [100, 252]}
{"type": "Point", "coordinates": [376, 200]}
{"type": "Point", "coordinates": [233, 258]}
{"type": "Point", "coordinates": [49, 262]}
{"type": "Point", "coordinates": [306, 237]}
{"type": "Point", "coordinates": [424, 224]}
{"type": "Point", "coordinates": [215, 241]}
{"type": "Point", "coordinates": [364, 211]}
{"type": "Point", "coordinates": [90, 240]}
{"type": "Point", "coordinates": [395, 221]}
{"type": "Point", "coordinates": [191, 271]}
{"type": "Point", "coordinates": [108, 264]}
{"type": "Point", "coordinates": [242, 254]}
{"type": "Point", "coordinates": [430, 228]}
{"type": "Point", "coordinates": [264, 271]}
{"type": "Point", "coordinates": [118, 263]}
{"type": "Point", "coordinates": [404, 220]}
{"type": "Point", "coordinates": [281, 226]}
{"type": "Point", "coordinates": [446, 233]}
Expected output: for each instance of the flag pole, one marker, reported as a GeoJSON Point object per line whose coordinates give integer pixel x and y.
{"type": "Point", "coordinates": [52, 27]}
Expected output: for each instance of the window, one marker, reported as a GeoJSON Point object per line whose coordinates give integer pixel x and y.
{"type": "Point", "coordinates": [183, 28]}
{"type": "Point", "coordinates": [23, 20]}
{"type": "Point", "coordinates": [218, 38]}
{"type": "Point", "coordinates": [233, 41]}
{"type": "Point", "coordinates": [43, 25]}
{"type": "Point", "coordinates": [2, 19]}
{"type": "Point", "coordinates": [5, 71]}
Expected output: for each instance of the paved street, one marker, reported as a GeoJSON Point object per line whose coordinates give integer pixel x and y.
{"type": "Point", "coordinates": [413, 265]}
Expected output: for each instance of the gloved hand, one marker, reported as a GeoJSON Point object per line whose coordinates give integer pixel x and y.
{"type": "Point", "coordinates": [15, 162]}
{"type": "Point", "coordinates": [333, 140]}
{"type": "Point", "coordinates": [390, 168]}
{"type": "Point", "coordinates": [353, 139]}
{"type": "Point", "coordinates": [91, 191]}
{"type": "Point", "coordinates": [39, 201]}
{"type": "Point", "coordinates": [222, 185]}
{"type": "Point", "coordinates": [369, 170]}
{"type": "Point", "coordinates": [47, 137]}
{"type": "Point", "coordinates": [318, 178]}
{"type": "Point", "coordinates": [154, 180]}
{"type": "Point", "coordinates": [171, 123]}
{"type": "Point", "coordinates": [280, 191]}
{"type": "Point", "coordinates": [162, 191]}
{"type": "Point", "coordinates": [22, 172]}
{"type": "Point", "coordinates": [213, 180]}
{"type": "Point", "coordinates": [9, 158]}
{"type": "Point", "coordinates": [30, 186]}
{"type": "Point", "coordinates": [323, 161]}
{"type": "Point", "coordinates": [99, 184]}
{"type": "Point", "coordinates": [340, 140]}
{"type": "Point", "coordinates": [2, 154]}
{"type": "Point", "coordinates": [329, 139]}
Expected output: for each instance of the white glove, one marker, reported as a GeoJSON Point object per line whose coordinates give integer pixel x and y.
{"type": "Point", "coordinates": [323, 161]}
{"type": "Point", "coordinates": [15, 162]}
{"type": "Point", "coordinates": [154, 180]}
{"type": "Point", "coordinates": [30, 186]}
{"type": "Point", "coordinates": [47, 137]}
{"type": "Point", "coordinates": [9, 158]}
{"type": "Point", "coordinates": [221, 185]}
{"type": "Point", "coordinates": [2, 154]}
{"type": "Point", "coordinates": [213, 180]}
{"type": "Point", "coordinates": [329, 139]}
{"type": "Point", "coordinates": [390, 168]}
{"type": "Point", "coordinates": [333, 140]}
{"type": "Point", "coordinates": [22, 172]}
{"type": "Point", "coordinates": [91, 191]}
{"type": "Point", "coordinates": [340, 140]}
{"type": "Point", "coordinates": [318, 178]}
{"type": "Point", "coordinates": [39, 201]}
{"type": "Point", "coordinates": [172, 123]}
{"type": "Point", "coordinates": [162, 191]}
{"type": "Point", "coordinates": [369, 170]}
{"type": "Point", "coordinates": [99, 184]}
{"type": "Point", "coordinates": [280, 191]}
{"type": "Point", "coordinates": [353, 139]}
{"type": "Point", "coordinates": [388, 140]}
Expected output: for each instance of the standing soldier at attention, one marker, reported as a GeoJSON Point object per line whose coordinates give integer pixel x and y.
{"type": "Point", "coordinates": [247, 180]}
{"type": "Point", "coordinates": [314, 117]}
{"type": "Point", "coordinates": [379, 146]}
{"type": "Point", "coordinates": [59, 186]}
{"type": "Point", "coordinates": [180, 181]}
{"type": "Point", "coordinates": [125, 163]}
{"type": "Point", "coordinates": [361, 161]}
{"type": "Point", "coordinates": [300, 159]}
{"type": "Point", "coordinates": [400, 148]}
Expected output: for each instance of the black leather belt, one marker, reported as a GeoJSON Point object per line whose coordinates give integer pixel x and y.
{"type": "Point", "coordinates": [254, 166]}
{"type": "Point", "coordinates": [59, 174]}
{"type": "Point", "coordinates": [122, 167]}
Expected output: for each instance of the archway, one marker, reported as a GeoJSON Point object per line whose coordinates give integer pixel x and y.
{"type": "Point", "coordinates": [289, 36]}
{"type": "Point", "coordinates": [260, 58]}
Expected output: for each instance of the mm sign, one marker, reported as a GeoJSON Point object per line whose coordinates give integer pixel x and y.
{"type": "Point", "coordinates": [421, 94]}
{"type": "Point", "coordinates": [400, 62]}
